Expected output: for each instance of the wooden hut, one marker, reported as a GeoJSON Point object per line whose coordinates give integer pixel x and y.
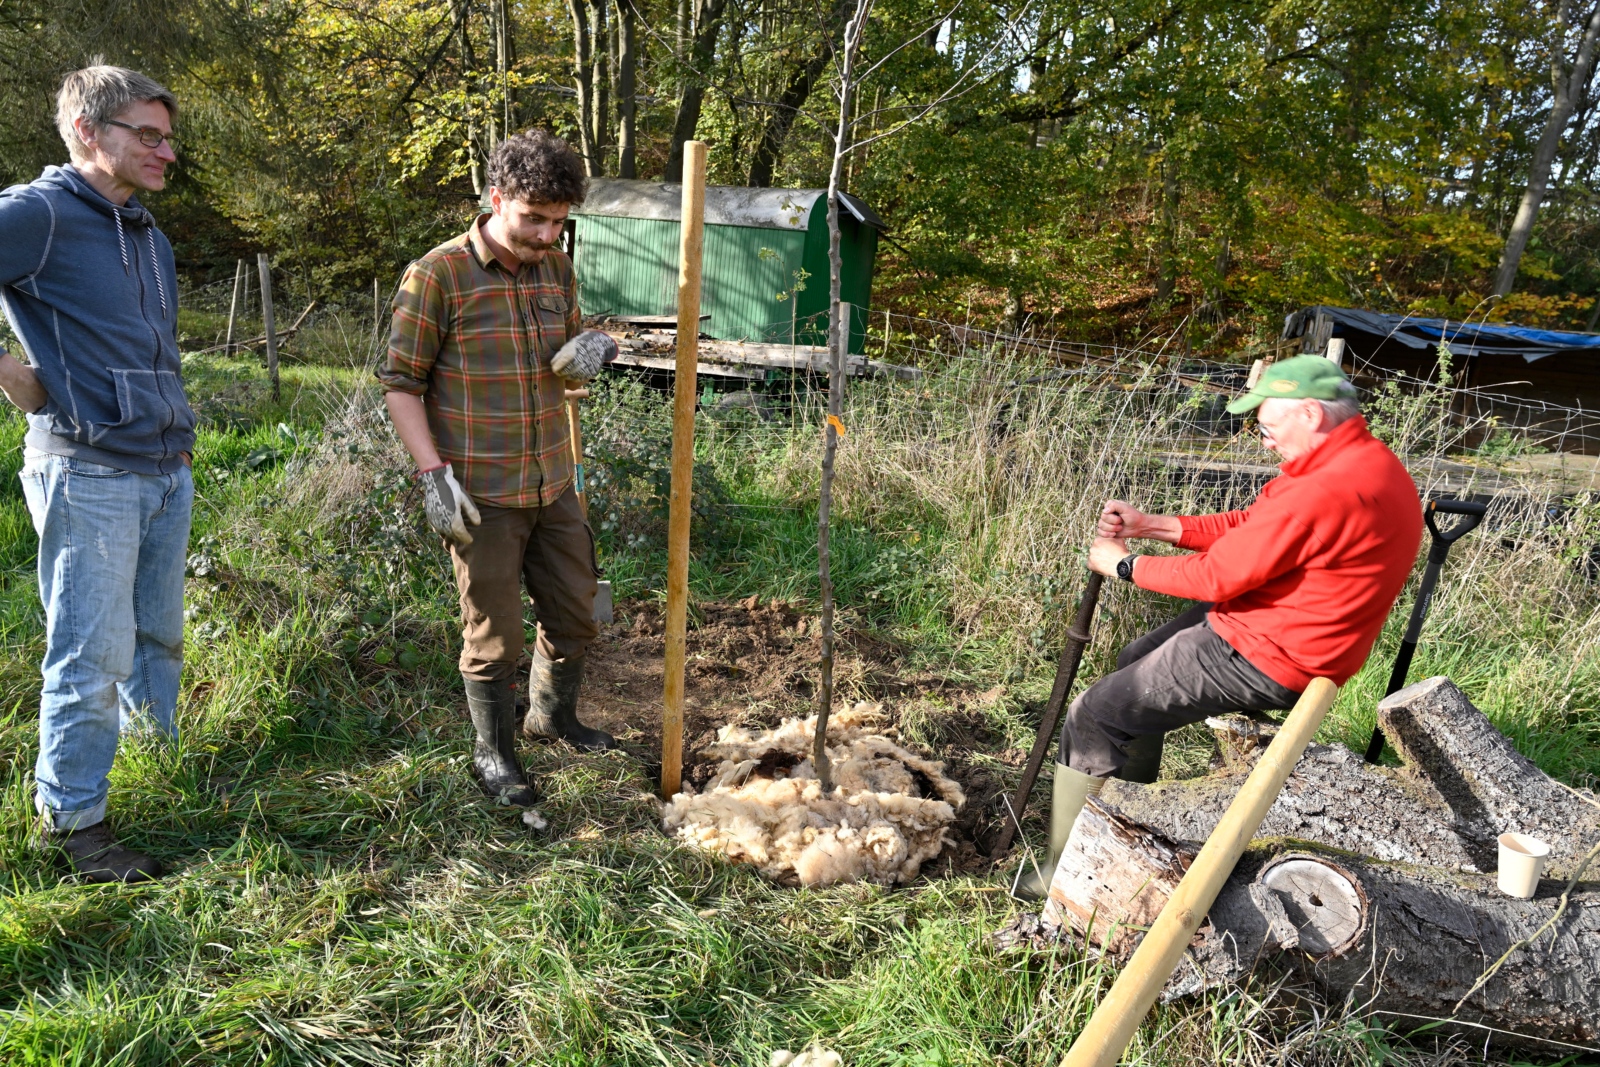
{"type": "Point", "coordinates": [761, 247]}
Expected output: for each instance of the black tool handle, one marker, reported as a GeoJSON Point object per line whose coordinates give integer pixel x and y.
{"type": "Point", "coordinates": [1066, 674]}
{"type": "Point", "coordinates": [1471, 513]}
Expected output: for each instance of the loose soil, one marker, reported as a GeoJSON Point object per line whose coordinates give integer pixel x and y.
{"type": "Point", "coordinates": [753, 664]}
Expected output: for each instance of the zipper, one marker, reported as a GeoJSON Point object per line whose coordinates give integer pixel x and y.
{"type": "Point", "coordinates": [155, 363]}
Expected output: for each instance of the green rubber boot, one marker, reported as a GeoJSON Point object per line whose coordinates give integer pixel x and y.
{"type": "Point", "coordinates": [1071, 790]}
{"type": "Point", "coordinates": [1144, 759]}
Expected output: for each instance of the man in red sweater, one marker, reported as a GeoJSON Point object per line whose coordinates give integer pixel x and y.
{"type": "Point", "coordinates": [1295, 587]}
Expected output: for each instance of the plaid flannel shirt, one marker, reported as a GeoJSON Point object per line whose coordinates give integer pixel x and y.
{"type": "Point", "coordinates": [475, 342]}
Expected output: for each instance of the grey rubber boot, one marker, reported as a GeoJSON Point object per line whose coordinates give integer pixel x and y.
{"type": "Point", "coordinates": [553, 686]}
{"type": "Point", "coordinates": [1070, 791]}
{"type": "Point", "coordinates": [493, 707]}
{"type": "Point", "coordinates": [1144, 759]}
{"type": "Point", "coordinates": [96, 856]}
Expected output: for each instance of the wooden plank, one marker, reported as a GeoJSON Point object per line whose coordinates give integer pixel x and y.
{"type": "Point", "coordinates": [715, 370]}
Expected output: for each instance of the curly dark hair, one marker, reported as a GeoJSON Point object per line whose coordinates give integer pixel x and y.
{"type": "Point", "coordinates": [537, 167]}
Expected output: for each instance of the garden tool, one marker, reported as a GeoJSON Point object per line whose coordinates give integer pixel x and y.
{"type": "Point", "coordinates": [1066, 674]}
{"type": "Point", "coordinates": [1471, 513]}
{"type": "Point", "coordinates": [602, 592]}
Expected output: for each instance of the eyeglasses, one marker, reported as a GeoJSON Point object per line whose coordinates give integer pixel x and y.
{"type": "Point", "coordinates": [148, 136]}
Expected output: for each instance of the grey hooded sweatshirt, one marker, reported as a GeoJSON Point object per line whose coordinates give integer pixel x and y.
{"type": "Point", "coordinates": [91, 290]}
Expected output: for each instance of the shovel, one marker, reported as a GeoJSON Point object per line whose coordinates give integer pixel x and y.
{"type": "Point", "coordinates": [602, 593]}
{"type": "Point", "coordinates": [1066, 674]}
{"type": "Point", "coordinates": [1471, 513]}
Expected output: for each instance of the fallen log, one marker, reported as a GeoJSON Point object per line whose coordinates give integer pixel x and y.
{"type": "Point", "coordinates": [1374, 883]}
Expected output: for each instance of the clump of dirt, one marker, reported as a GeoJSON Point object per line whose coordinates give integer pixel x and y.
{"type": "Point", "coordinates": [752, 664]}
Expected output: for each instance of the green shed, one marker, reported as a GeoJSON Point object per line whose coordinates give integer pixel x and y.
{"type": "Point", "coordinates": [757, 244]}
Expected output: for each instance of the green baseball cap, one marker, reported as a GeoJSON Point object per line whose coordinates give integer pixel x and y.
{"type": "Point", "coordinates": [1296, 378]}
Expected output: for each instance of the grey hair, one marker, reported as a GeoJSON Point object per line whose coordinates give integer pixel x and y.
{"type": "Point", "coordinates": [101, 92]}
{"type": "Point", "coordinates": [1335, 412]}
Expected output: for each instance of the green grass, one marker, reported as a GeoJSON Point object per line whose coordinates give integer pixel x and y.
{"type": "Point", "coordinates": [342, 895]}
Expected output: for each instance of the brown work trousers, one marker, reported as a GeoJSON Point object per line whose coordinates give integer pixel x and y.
{"type": "Point", "coordinates": [548, 549]}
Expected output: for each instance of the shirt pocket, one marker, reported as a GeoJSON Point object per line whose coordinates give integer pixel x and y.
{"type": "Point", "coordinates": [549, 314]}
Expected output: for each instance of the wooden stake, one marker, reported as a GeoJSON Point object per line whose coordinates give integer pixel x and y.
{"type": "Point", "coordinates": [684, 389]}
{"type": "Point", "coordinates": [1106, 1037]}
{"type": "Point", "coordinates": [233, 308]}
{"type": "Point", "coordinates": [265, 268]}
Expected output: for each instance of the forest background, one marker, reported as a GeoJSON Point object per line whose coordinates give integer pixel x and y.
{"type": "Point", "coordinates": [1109, 169]}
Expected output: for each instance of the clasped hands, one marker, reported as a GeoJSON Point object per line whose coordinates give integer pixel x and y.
{"type": "Point", "coordinates": [1119, 521]}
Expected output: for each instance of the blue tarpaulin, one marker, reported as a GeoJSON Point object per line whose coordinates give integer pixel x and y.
{"type": "Point", "coordinates": [1464, 338]}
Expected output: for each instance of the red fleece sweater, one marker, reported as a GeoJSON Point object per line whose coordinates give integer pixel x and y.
{"type": "Point", "coordinates": [1304, 577]}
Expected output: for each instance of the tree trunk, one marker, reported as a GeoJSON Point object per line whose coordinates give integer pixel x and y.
{"type": "Point", "coordinates": [583, 72]}
{"type": "Point", "coordinates": [694, 88]}
{"type": "Point", "coordinates": [600, 79]}
{"type": "Point", "coordinates": [1567, 88]}
{"type": "Point", "coordinates": [461, 12]}
{"type": "Point", "coordinates": [1167, 276]}
{"type": "Point", "coordinates": [505, 59]}
{"type": "Point", "coordinates": [1366, 880]}
{"type": "Point", "coordinates": [838, 343]}
{"type": "Point", "coordinates": [796, 91]}
{"type": "Point", "coordinates": [627, 91]}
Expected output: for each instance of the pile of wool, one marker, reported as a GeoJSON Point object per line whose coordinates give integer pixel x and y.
{"type": "Point", "coordinates": [890, 810]}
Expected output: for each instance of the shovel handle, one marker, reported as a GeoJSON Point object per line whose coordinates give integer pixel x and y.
{"type": "Point", "coordinates": [1471, 513]}
{"type": "Point", "coordinates": [1066, 673]}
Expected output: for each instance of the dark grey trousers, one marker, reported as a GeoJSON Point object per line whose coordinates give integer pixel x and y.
{"type": "Point", "coordinates": [1174, 675]}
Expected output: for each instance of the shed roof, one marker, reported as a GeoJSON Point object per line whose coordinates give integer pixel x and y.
{"type": "Point", "coordinates": [726, 205]}
{"type": "Point", "coordinates": [1464, 338]}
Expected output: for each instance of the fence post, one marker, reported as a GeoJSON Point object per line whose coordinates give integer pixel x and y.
{"type": "Point", "coordinates": [265, 267]}
{"type": "Point", "coordinates": [233, 308]}
{"type": "Point", "coordinates": [684, 389]}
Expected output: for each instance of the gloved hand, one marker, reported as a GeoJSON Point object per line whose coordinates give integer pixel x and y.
{"type": "Point", "coordinates": [580, 359]}
{"type": "Point", "coordinates": [449, 507]}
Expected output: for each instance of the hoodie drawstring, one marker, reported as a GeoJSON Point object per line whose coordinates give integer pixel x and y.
{"type": "Point", "coordinates": [161, 286]}
{"type": "Point", "coordinates": [122, 242]}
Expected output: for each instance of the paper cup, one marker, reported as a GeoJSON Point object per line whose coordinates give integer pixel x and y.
{"type": "Point", "coordinates": [1522, 860]}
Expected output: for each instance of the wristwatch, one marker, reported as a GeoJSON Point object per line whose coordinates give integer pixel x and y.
{"type": "Point", "coordinates": [1125, 567]}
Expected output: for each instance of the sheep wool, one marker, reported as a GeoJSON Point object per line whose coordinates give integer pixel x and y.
{"type": "Point", "coordinates": [889, 813]}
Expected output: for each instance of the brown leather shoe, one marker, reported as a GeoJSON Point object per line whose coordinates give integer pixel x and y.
{"type": "Point", "coordinates": [95, 856]}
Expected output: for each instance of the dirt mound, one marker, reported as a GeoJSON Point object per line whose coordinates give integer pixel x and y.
{"type": "Point", "coordinates": [753, 663]}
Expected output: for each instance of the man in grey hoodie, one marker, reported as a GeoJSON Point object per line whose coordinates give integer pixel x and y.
{"type": "Point", "coordinates": [88, 284]}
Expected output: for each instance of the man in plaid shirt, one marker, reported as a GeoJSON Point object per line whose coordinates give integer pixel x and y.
{"type": "Point", "coordinates": [485, 336]}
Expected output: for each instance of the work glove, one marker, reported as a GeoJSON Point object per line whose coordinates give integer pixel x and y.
{"type": "Point", "coordinates": [581, 358]}
{"type": "Point", "coordinates": [449, 506]}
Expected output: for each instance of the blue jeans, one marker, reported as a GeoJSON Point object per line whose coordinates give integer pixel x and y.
{"type": "Point", "coordinates": [112, 545]}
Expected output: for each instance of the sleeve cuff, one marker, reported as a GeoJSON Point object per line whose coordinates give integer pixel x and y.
{"type": "Point", "coordinates": [395, 382]}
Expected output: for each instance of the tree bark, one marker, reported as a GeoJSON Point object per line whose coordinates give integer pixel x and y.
{"type": "Point", "coordinates": [583, 72]}
{"type": "Point", "coordinates": [627, 91]}
{"type": "Point", "coordinates": [1167, 271]}
{"type": "Point", "coordinates": [707, 24]}
{"type": "Point", "coordinates": [1367, 881]}
{"type": "Point", "coordinates": [600, 34]}
{"type": "Point", "coordinates": [1567, 87]}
